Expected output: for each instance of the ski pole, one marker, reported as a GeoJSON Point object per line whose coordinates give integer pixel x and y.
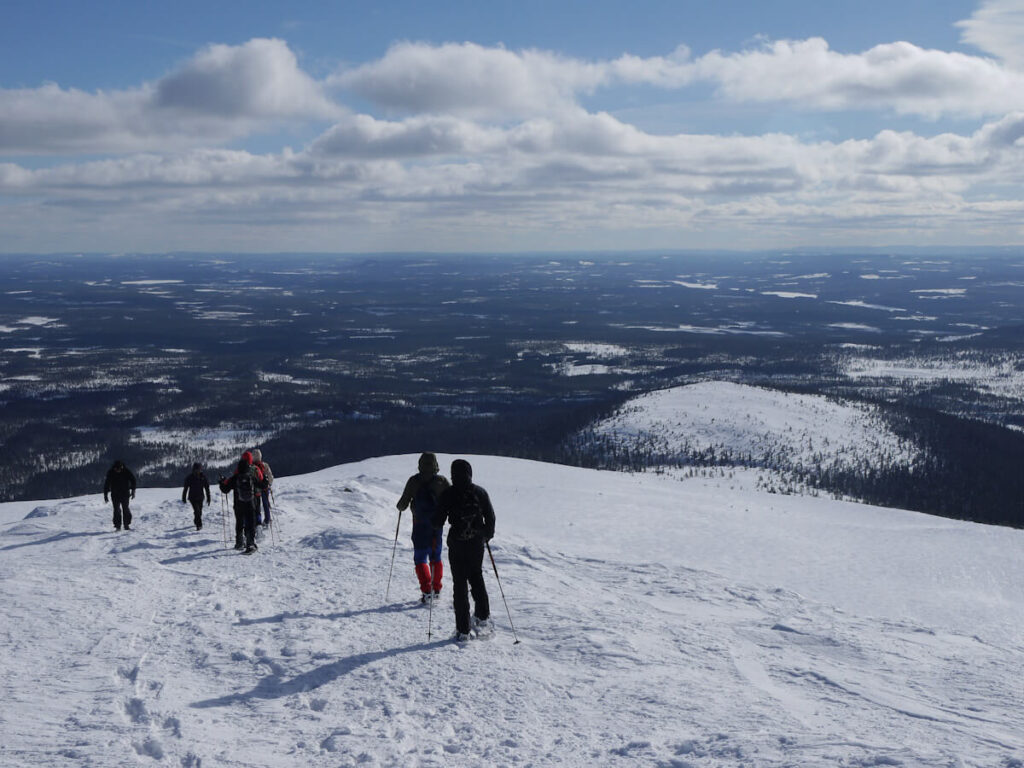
{"type": "Point", "coordinates": [224, 517]}
{"type": "Point", "coordinates": [275, 519]}
{"type": "Point", "coordinates": [498, 578]}
{"type": "Point", "coordinates": [272, 525]}
{"type": "Point", "coordinates": [393, 550]}
{"type": "Point", "coordinates": [430, 616]}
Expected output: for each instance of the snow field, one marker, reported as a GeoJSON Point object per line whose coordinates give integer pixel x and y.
{"type": "Point", "coordinates": [790, 429]}
{"type": "Point", "coordinates": [663, 622]}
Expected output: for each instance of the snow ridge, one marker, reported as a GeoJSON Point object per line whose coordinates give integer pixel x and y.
{"type": "Point", "coordinates": [662, 623]}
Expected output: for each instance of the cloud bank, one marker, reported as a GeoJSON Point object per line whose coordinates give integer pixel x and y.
{"type": "Point", "coordinates": [466, 147]}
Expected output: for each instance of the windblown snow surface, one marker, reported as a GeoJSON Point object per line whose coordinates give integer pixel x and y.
{"type": "Point", "coordinates": [662, 623]}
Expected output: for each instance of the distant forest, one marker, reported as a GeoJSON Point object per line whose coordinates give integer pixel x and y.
{"type": "Point", "coordinates": [532, 431]}
{"type": "Point", "coordinates": [192, 357]}
{"type": "Point", "coordinates": [966, 469]}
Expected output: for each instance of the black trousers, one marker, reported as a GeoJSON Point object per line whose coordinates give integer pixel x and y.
{"type": "Point", "coordinates": [121, 512]}
{"type": "Point", "coordinates": [466, 560]}
{"type": "Point", "coordinates": [197, 512]}
{"type": "Point", "coordinates": [245, 522]}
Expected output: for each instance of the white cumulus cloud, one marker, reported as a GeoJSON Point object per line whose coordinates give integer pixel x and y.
{"type": "Point", "coordinates": [223, 92]}
{"type": "Point", "coordinates": [997, 27]}
{"type": "Point", "coordinates": [260, 79]}
{"type": "Point", "coordinates": [471, 80]}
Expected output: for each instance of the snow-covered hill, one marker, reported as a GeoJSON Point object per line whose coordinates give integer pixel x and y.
{"type": "Point", "coordinates": [663, 623]}
{"type": "Point", "coordinates": [768, 427]}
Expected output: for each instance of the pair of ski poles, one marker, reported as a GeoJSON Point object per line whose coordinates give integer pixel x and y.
{"type": "Point", "coordinates": [430, 613]}
{"type": "Point", "coordinates": [274, 537]}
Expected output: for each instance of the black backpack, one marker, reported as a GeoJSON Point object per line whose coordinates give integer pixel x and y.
{"type": "Point", "coordinates": [466, 516]}
{"type": "Point", "coordinates": [245, 485]}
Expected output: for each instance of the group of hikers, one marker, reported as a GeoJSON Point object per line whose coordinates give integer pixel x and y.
{"type": "Point", "coordinates": [434, 501]}
{"type": "Point", "coordinates": [250, 485]}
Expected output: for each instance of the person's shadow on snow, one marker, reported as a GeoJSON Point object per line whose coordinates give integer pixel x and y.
{"type": "Point", "coordinates": [273, 687]}
{"type": "Point", "coordinates": [289, 615]}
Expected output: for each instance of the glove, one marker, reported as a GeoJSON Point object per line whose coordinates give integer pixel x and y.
{"type": "Point", "coordinates": [106, 499]}
{"type": "Point", "coordinates": [133, 494]}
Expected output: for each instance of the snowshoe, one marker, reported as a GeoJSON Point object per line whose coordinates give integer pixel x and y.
{"type": "Point", "coordinates": [463, 637]}
{"type": "Point", "coordinates": [250, 549]}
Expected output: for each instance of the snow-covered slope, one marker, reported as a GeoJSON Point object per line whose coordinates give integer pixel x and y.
{"type": "Point", "coordinates": [662, 623]}
{"type": "Point", "coordinates": [774, 428]}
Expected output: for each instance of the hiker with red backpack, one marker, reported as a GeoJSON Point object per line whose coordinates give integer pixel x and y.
{"type": "Point", "coordinates": [467, 509]}
{"type": "Point", "coordinates": [263, 496]}
{"type": "Point", "coordinates": [422, 492]}
{"type": "Point", "coordinates": [244, 483]}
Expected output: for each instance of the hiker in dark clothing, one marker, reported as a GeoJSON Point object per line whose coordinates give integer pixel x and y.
{"type": "Point", "coordinates": [120, 487]}
{"type": "Point", "coordinates": [196, 486]}
{"type": "Point", "coordinates": [469, 513]}
{"type": "Point", "coordinates": [422, 491]}
{"type": "Point", "coordinates": [244, 483]}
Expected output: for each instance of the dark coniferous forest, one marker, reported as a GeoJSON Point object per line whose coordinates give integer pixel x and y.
{"type": "Point", "coordinates": [163, 360]}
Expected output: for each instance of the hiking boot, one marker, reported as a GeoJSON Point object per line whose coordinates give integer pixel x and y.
{"type": "Point", "coordinates": [482, 625]}
{"type": "Point", "coordinates": [127, 527]}
{"type": "Point", "coordinates": [239, 545]}
{"type": "Point", "coordinates": [462, 637]}
{"type": "Point", "coordinates": [117, 527]}
{"type": "Point", "coordinates": [250, 549]}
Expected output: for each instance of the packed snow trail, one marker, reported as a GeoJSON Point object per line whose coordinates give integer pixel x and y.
{"type": "Point", "coordinates": [663, 622]}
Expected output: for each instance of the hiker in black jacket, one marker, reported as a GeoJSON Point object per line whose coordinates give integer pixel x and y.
{"type": "Point", "coordinates": [469, 513]}
{"type": "Point", "coordinates": [120, 487]}
{"type": "Point", "coordinates": [196, 485]}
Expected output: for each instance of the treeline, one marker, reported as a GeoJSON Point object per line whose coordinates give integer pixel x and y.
{"type": "Point", "coordinates": [964, 469]}
{"type": "Point", "coordinates": [524, 428]}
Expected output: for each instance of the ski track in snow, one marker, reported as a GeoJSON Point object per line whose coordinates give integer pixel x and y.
{"type": "Point", "coordinates": [161, 647]}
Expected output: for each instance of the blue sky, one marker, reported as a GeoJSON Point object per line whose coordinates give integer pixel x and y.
{"type": "Point", "coordinates": [467, 126]}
